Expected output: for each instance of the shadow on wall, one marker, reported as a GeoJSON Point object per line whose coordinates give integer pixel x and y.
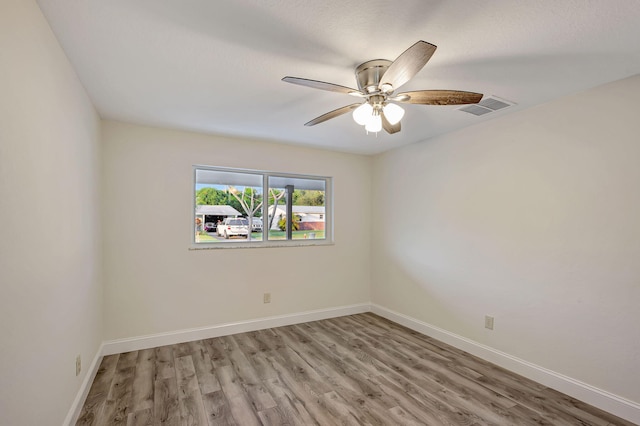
{"type": "Point", "coordinates": [408, 285]}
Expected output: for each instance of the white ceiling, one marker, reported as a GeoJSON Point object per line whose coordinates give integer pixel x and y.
{"type": "Point", "coordinates": [215, 66]}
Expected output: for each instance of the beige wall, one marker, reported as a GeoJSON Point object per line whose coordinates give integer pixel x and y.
{"type": "Point", "coordinates": [154, 284]}
{"type": "Point", "coordinates": [50, 293]}
{"type": "Point", "coordinates": [533, 218]}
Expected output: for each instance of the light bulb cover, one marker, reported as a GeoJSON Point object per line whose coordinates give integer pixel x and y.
{"type": "Point", "coordinates": [363, 114]}
{"type": "Point", "coordinates": [374, 124]}
{"type": "Point", "coordinates": [393, 113]}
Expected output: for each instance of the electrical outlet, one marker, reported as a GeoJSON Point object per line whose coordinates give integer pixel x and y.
{"type": "Point", "coordinates": [78, 365]}
{"type": "Point", "coordinates": [488, 322]}
{"type": "Point", "coordinates": [266, 298]}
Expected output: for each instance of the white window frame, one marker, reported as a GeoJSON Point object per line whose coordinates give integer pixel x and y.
{"type": "Point", "coordinates": [265, 242]}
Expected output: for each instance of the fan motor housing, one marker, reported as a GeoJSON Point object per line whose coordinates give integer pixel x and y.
{"type": "Point", "coordinates": [368, 74]}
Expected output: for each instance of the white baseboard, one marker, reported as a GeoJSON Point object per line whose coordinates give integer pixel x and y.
{"type": "Point", "coordinates": [76, 407]}
{"type": "Point", "coordinates": [181, 336]}
{"type": "Point", "coordinates": [602, 399]}
{"type": "Point", "coordinates": [152, 341]}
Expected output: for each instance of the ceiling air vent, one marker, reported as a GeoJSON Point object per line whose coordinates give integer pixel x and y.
{"type": "Point", "coordinates": [486, 105]}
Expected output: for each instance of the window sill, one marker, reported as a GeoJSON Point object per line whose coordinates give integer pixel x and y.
{"type": "Point", "coordinates": [270, 244]}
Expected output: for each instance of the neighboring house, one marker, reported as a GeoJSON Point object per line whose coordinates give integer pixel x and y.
{"type": "Point", "coordinates": [311, 217]}
{"type": "Point", "coordinates": [215, 213]}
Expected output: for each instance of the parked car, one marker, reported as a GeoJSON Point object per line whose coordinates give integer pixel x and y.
{"type": "Point", "coordinates": [256, 224]}
{"type": "Point", "coordinates": [233, 226]}
{"type": "Point", "coordinates": [210, 227]}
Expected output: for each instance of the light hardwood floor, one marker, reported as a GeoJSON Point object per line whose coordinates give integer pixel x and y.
{"type": "Point", "coordinates": [354, 370]}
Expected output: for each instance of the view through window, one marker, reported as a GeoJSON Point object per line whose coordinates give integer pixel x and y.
{"type": "Point", "coordinates": [246, 206]}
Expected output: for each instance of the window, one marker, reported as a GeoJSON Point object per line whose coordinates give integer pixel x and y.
{"type": "Point", "coordinates": [234, 207]}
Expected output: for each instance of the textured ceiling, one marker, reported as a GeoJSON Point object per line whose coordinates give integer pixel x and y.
{"type": "Point", "coordinates": [215, 66]}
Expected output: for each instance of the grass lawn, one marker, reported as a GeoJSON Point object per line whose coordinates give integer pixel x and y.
{"type": "Point", "coordinates": [204, 238]}
{"type": "Point", "coordinates": [257, 236]}
{"type": "Point", "coordinates": [297, 235]}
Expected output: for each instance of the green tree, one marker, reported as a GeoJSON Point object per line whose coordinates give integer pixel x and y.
{"type": "Point", "coordinates": [295, 223]}
{"type": "Point", "coordinates": [209, 196]}
{"type": "Point", "coordinates": [305, 197]}
{"type": "Point", "coordinates": [233, 202]}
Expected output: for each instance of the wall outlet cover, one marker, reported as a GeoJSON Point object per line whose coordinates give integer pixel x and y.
{"type": "Point", "coordinates": [488, 322]}
{"type": "Point", "coordinates": [78, 365]}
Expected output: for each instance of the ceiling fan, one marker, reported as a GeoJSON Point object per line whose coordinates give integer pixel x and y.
{"type": "Point", "coordinates": [377, 82]}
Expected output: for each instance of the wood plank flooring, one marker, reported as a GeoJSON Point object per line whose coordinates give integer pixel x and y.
{"type": "Point", "coordinates": [354, 370]}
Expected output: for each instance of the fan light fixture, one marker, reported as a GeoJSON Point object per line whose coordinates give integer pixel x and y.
{"type": "Point", "coordinates": [393, 113]}
{"type": "Point", "coordinates": [369, 116]}
{"type": "Point", "coordinates": [374, 125]}
{"type": "Point", "coordinates": [363, 114]}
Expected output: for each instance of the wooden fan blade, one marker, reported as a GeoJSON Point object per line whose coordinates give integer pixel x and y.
{"type": "Point", "coordinates": [438, 97]}
{"type": "Point", "coordinates": [388, 127]}
{"type": "Point", "coordinates": [407, 65]}
{"type": "Point", "coordinates": [315, 84]}
{"type": "Point", "coordinates": [332, 114]}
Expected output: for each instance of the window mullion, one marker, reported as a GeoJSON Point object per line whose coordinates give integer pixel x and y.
{"type": "Point", "coordinates": [289, 192]}
{"type": "Point", "coordinates": [265, 207]}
